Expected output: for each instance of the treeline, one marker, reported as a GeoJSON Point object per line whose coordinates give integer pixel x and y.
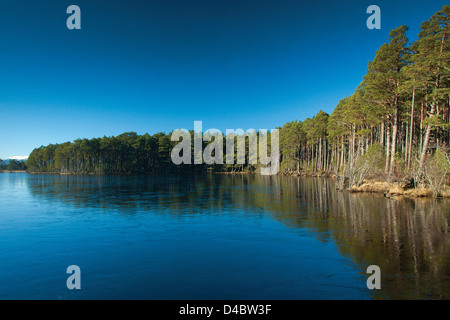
{"type": "Point", "coordinates": [128, 153]}
{"type": "Point", "coordinates": [13, 165]}
{"type": "Point", "coordinates": [395, 124]}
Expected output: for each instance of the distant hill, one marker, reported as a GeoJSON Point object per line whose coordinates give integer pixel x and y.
{"type": "Point", "coordinates": [18, 158]}
{"type": "Point", "coordinates": [13, 163]}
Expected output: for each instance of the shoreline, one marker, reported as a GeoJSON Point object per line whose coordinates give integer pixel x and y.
{"type": "Point", "coordinates": [393, 190]}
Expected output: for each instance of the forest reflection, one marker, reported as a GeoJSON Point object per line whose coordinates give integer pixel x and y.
{"type": "Point", "coordinates": [407, 238]}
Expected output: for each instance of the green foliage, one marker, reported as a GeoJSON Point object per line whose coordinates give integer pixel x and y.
{"type": "Point", "coordinates": [374, 156]}
{"type": "Point", "coordinates": [13, 165]}
{"type": "Point", "coordinates": [292, 138]}
{"type": "Point", "coordinates": [436, 169]}
{"type": "Point", "coordinates": [127, 153]}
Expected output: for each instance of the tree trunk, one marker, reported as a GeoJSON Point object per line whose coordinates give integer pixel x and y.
{"type": "Point", "coordinates": [388, 146]}
{"type": "Point", "coordinates": [411, 128]}
{"type": "Point", "coordinates": [394, 136]}
{"type": "Point", "coordinates": [425, 142]}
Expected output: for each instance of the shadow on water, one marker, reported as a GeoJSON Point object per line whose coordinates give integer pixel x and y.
{"type": "Point", "coordinates": [407, 238]}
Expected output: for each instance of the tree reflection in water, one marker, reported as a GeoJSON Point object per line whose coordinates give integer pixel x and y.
{"type": "Point", "coordinates": [407, 238]}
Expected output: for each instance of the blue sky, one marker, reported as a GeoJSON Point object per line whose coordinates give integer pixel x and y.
{"type": "Point", "coordinates": [151, 66]}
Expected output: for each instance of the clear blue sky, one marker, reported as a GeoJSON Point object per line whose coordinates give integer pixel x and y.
{"type": "Point", "coordinates": [150, 66]}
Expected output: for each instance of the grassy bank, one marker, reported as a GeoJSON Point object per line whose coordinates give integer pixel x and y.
{"type": "Point", "coordinates": [399, 189]}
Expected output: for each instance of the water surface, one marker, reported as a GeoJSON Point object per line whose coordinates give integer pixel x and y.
{"type": "Point", "coordinates": [216, 237]}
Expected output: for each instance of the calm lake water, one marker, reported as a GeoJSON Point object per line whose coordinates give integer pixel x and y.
{"type": "Point", "coordinates": [216, 237]}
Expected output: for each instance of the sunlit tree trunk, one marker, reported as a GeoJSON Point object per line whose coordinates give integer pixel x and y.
{"type": "Point", "coordinates": [411, 129]}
